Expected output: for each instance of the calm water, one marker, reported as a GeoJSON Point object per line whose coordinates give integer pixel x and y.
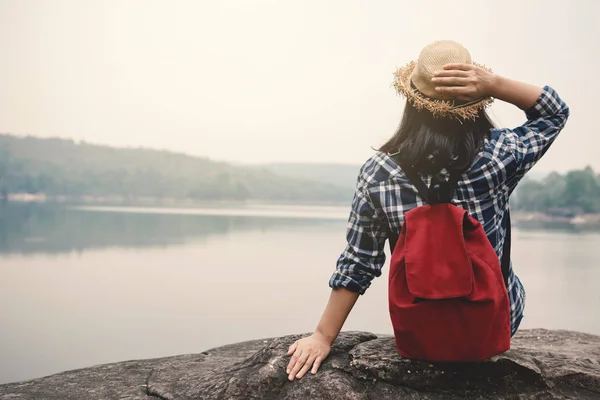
{"type": "Point", "coordinates": [80, 287]}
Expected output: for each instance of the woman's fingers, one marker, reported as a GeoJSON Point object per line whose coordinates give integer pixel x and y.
{"type": "Point", "coordinates": [306, 366]}
{"type": "Point", "coordinates": [293, 361]}
{"type": "Point", "coordinates": [462, 67]}
{"type": "Point", "coordinates": [316, 365]}
{"type": "Point", "coordinates": [451, 81]}
{"type": "Point", "coordinates": [292, 348]}
{"type": "Point", "coordinates": [455, 90]}
{"type": "Point", "coordinates": [299, 364]}
{"type": "Point", "coordinates": [466, 93]}
{"type": "Point", "coordinates": [306, 353]}
{"type": "Point", "coordinates": [452, 72]}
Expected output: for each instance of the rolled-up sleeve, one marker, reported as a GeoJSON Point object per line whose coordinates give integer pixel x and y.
{"type": "Point", "coordinates": [364, 256]}
{"type": "Point", "coordinates": [530, 141]}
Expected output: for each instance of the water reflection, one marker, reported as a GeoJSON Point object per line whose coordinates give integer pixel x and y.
{"type": "Point", "coordinates": [46, 228]}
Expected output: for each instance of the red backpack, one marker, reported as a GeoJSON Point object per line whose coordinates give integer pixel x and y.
{"type": "Point", "coordinates": [447, 296]}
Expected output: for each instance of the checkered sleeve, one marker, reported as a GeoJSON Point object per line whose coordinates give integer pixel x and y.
{"type": "Point", "coordinates": [516, 294]}
{"type": "Point", "coordinates": [363, 256]}
{"type": "Point", "coordinates": [530, 141]}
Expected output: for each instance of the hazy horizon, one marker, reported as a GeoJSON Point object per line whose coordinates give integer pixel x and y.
{"type": "Point", "coordinates": [274, 81]}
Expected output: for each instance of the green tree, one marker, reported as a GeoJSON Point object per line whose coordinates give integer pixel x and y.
{"type": "Point", "coordinates": [582, 190]}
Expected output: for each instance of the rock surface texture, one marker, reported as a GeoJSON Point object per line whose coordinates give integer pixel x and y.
{"type": "Point", "coordinates": [541, 365]}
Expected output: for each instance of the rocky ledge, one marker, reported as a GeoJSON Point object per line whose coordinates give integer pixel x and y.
{"type": "Point", "coordinates": [541, 365]}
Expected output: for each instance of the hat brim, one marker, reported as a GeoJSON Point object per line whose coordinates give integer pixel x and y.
{"type": "Point", "coordinates": [438, 107]}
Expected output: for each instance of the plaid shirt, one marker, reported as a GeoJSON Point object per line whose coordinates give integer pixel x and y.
{"type": "Point", "coordinates": [383, 194]}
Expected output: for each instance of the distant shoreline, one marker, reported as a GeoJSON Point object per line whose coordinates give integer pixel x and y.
{"type": "Point", "coordinates": [520, 219]}
{"type": "Point", "coordinates": [158, 201]}
{"type": "Point", "coordinates": [539, 220]}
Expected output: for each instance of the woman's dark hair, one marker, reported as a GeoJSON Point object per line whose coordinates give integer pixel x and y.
{"type": "Point", "coordinates": [431, 144]}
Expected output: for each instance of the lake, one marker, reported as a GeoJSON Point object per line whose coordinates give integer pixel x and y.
{"type": "Point", "coordinates": [92, 285]}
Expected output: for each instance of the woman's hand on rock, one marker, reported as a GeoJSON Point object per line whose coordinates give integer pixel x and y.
{"type": "Point", "coordinates": [464, 81]}
{"type": "Point", "coordinates": [306, 353]}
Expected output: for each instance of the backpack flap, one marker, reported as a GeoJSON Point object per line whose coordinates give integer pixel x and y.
{"type": "Point", "coordinates": [436, 260]}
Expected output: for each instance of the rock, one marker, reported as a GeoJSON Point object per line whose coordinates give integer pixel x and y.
{"type": "Point", "coordinates": [541, 365]}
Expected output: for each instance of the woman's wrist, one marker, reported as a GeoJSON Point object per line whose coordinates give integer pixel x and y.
{"type": "Point", "coordinates": [328, 338]}
{"type": "Point", "coordinates": [495, 86]}
{"type": "Point", "coordinates": [522, 95]}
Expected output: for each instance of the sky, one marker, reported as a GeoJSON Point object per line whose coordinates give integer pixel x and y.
{"type": "Point", "coordinates": [256, 81]}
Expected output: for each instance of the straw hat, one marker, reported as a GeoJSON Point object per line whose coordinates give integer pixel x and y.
{"type": "Point", "coordinates": [413, 81]}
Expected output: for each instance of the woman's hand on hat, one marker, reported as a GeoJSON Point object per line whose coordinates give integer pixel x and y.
{"type": "Point", "coordinates": [307, 354]}
{"type": "Point", "coordinates": [465, 82]}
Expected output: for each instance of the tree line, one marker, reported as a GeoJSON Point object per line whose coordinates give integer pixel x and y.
{"type": "Point", "coordinates": [573, 193]}
{"type": "Point", "coordinates": [59, 167]}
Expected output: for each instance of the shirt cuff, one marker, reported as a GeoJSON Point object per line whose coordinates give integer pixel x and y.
{"type": "Point", "coordinates": [548, 104]}
{"type": "Point", "coordinates": [339, 280]}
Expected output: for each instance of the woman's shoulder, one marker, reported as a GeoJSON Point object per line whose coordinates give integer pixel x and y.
{"type": "Point", "coordinates": [496, 163]}
{"type": "Point", "coordinates": [379, 167]}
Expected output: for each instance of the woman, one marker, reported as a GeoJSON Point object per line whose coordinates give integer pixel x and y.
{"type": "Point", "coordinates": [444, 129]}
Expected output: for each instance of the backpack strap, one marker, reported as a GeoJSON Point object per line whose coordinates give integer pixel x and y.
{"type": "Point", "coordinates": [447, 188]}
{"type": "Point", "coordinates": [505, 261]}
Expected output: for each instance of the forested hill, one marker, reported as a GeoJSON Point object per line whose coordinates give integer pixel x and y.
{"type": "Point", "coordinates": [59, 167]}
{"type": "Point", "coordinates": [576, 192]}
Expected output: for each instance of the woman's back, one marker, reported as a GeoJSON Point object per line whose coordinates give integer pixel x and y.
{"type": "Point", "coordinates": [445, 132]}
{"type": "Point", "coordinates": [384, 194]}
